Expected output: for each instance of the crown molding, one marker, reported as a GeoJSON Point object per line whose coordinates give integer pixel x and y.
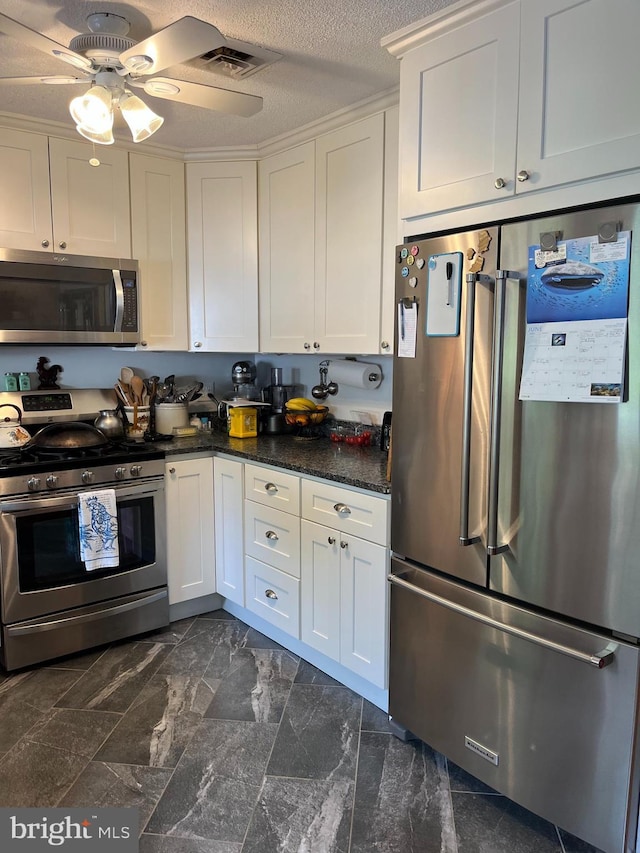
{"type": "Point", "coordinates": [333, 121]}
{"type": "Point", "coordinates": [420, 32]}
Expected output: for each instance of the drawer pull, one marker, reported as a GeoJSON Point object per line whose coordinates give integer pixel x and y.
{"type": "Point", "coordinates": [271, 534]}
{"type": "Point", "coordinates": [342, 508]}
{"type": "Point", "coordinates": [271, 488]}
{"type": "Point", "coordinates": [271, 594]}
{"type": "Point", "coordinates": [344, 544]}
{"type": "Point", "coordinates": [331, 540]}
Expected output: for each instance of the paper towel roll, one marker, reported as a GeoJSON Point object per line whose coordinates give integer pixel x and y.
{"type": "Point", "coordinates": [357, 374]}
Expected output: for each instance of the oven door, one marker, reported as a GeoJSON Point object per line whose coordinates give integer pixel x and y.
{"type": "Point", "coordinates": [40, 565]}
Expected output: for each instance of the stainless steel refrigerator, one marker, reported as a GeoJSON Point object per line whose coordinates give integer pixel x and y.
{"type": "Point", "coordinates": [515, 584]}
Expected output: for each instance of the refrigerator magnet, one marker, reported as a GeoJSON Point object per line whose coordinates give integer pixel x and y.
{"type": "Point", "coordinates": [444, 287]}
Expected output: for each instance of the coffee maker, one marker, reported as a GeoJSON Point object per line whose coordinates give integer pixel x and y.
{"type": "Point", "coordinates": [276, 395]}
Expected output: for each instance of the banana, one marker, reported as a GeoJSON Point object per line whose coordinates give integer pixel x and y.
{"type": "Point", "coordinates": [301, 404]}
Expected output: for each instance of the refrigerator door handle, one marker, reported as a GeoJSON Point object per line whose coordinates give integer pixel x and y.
{"type": "Point", "coordinates": [493, 548]}
{"type": "Point", "coordinates": [472, 280]}
{"type": "Point", "coordinates": [599, 660]}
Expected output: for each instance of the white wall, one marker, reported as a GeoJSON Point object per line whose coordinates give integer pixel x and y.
{"type": "Point", "coordinates": [99, 367]}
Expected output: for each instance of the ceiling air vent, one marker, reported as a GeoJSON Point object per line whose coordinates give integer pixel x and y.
{"type": "Point", "coordinates": [237, 59]}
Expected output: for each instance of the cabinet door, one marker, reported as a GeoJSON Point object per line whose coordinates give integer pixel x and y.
{"type": "Point", "coordinates": [391, 230]}
{"type": "Point", "coordinates": [363, 608]}
{"type": "Point", "coordinates": [458, 112]}
{"type": "Point", "coordinates": [349, 177]}
{"type": "Point", "coordinates": [579, 69]}
{"type": "Point", "coordinates": [25, 200]}
{"type": "Point", "coordinates": [320, 588]}
{"type": "Point", "coordinates": [190, 535]}
{"type": "Point", "coordinates": [222, 228]}
{"type": "Point", "coordinates": [90, 204]}
{"type": "Point", "coordinates": [228, 500]}
{"type": "Point", "coordinates": [159, 245]}
{"type": "Point", "coordinates": [286, 226]}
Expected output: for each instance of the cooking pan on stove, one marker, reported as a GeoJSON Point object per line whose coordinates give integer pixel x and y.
{"type": "Point", "coordinates": [66, 436]}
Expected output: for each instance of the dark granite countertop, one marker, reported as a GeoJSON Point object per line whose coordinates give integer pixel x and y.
{"type": "Point", "coordinates": [363, 467]}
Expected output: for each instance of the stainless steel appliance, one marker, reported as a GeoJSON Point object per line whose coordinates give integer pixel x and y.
{"type": "Point", "coordinates": [67, 299]}
{"type": "Point", "coordinates": [515, 587]}
{"type": "Point", "coordinates": [51, 604]}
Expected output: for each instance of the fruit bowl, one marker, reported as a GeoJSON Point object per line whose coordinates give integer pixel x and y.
{"type": "Point", "coordinates": [306, 417]}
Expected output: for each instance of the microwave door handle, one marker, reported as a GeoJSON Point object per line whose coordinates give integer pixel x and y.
{"type": "Point", "coordinates": [472, 280]}
{"type": "Point", "coordinates": [117, 283]}
{"type": "Point", "coordinates": [493, 547]}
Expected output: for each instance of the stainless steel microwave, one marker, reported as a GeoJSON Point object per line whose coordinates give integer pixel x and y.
{"type": "Point", "coordinates": [49, 298]}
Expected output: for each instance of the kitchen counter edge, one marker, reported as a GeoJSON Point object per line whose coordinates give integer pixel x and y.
{"type": "Point", "coordinates": [361, 467]}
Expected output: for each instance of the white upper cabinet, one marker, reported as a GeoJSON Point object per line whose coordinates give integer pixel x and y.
{"type": "Point", "coordinates": [502, 99]}
{"type": "Point", "coordinates": [51, 198]}
{"type": "Point", "coordinates": [90, 204]}
{"type": "Point", "coordinates": [458, 108]}
{"type": "Point", "coordinates": [579, 71]}
{"type": "Point", "coordinates": [286, 190]}
{"type": "Point", "coordinates": [348, 264]}
{"type": "Point", "coordinates": [222, 254]}
{"type": "Point", "coordinates": [159, 245]}
{"type": "Point", "coordinates": [322, 208]}
{"type": "Point", "coordinates": [25, 199]}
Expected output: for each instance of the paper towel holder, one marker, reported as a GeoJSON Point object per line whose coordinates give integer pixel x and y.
{"type": "Point", "coordinates": [374, 376]}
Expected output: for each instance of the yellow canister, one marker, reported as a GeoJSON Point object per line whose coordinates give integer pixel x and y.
{"type": "Point", "coordinates": [243, 421]}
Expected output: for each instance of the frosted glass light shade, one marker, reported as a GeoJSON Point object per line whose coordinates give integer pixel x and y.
{"type": "Point", "coordinates": [93, 110]}
{"type": "Point", "coordinates": [141, 119]}
{"type": "Point", "coordinates": [105, 138]}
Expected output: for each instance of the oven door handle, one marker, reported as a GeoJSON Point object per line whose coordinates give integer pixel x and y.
{"type": "Point", "coordinates": [67, 502]}
{"type": "Point", "coordinates": [54, 624]}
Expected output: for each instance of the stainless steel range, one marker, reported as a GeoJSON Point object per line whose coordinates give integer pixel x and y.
{"type": "Point", "coordinates": [51, 604]}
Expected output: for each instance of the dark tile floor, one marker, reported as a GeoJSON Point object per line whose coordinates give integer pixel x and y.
{"type": "Point", "coordinates": [228, 743]}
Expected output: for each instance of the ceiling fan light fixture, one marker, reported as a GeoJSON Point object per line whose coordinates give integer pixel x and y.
{"type": "Point", "coordinates": [93, 110]}
{"type": "Point", "coordinates": [105, 138]}
{"type": "Point", "coordinates": [142, 120]}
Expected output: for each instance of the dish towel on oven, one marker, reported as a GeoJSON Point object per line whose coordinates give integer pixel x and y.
{"type": "Point", "coordinates": [98, 527]}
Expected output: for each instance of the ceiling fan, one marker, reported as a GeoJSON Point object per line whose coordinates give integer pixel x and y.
{"type": "Point", "coordinates": [114, 64]}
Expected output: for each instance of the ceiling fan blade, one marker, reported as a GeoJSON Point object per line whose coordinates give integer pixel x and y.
{"type": "Point", "coordinates": [176, 43]}
{"type": "Point", "coordinates": [209, 97]}
{"type": "Point", "coordinates": [51, 79]}
{"type": "Point", "coordinates": [28, 36]}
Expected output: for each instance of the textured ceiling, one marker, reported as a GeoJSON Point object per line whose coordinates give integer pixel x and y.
{"type": "Point", "coordinates": [331, 59]}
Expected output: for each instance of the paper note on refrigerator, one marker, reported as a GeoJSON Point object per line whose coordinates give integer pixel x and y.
{"type": "Point", "coordinates": [407, 328]}
{"type": "Point", "coordinates": [577, 304]}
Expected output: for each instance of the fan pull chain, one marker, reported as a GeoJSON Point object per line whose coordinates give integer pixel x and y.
{"type": "Point", "coordinates": [94, 160]}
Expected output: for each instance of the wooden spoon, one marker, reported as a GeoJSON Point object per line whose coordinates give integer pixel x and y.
{"type": "Point", "coordinates": [137, 388]}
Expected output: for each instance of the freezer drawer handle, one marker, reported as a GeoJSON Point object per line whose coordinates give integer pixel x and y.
{"type": "Point", "coordinates": [472, 280]}
{"type": "Point", "coordinates": [599, 659]}
{"type": "Point", "coordinates": [493, 548]}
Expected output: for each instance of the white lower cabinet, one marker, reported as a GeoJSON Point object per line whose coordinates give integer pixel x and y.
{"type": "Point", "coordinates": [344, 600]}
{"type": "Point", "coordinates": [190, 529]}
{"type": "Point", "coordinates": [229, 526]}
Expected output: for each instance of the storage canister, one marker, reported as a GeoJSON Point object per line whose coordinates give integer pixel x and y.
{"type": "Point", "coordinates": [170, 415]}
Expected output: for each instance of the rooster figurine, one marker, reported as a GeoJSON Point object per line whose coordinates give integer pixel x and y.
{"type": "Point", "coordinates": [48, 375]}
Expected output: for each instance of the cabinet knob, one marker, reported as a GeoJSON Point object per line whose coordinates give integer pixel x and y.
{"type": "Point", "coordinates": [316, 345]}
{"type": "Point", "coordinates": [271, 534]}
{"type": "Point", "coordinates": [523, 175]}
{"type": "Point", "coordinates": [343, 509]}
{"type": "Point", "coordinates": [344, 544]}
{"type": "Point", "coordinates": [197, 344]}
{"type": "Point", "coordinates": [143, 343]}
{"type": "Point", "coordinates": [271, 594]}
{"type": "Point", "coordinates": [307, 345]}
{"type": "Point", "coordinates": [331, 540]}
{"type": "Point", "coordinates": [384, 345]}
{"type": "Point", "coordinates": [172, 470]}
{"type": "Point", "coordinates": [62, 245]}
{"type": "Point", "coordinates": [499, 183]}
{"type": "Point", "coordinates": [44, 244]}
{"type": "Point", "coordinates": [271, 488]}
